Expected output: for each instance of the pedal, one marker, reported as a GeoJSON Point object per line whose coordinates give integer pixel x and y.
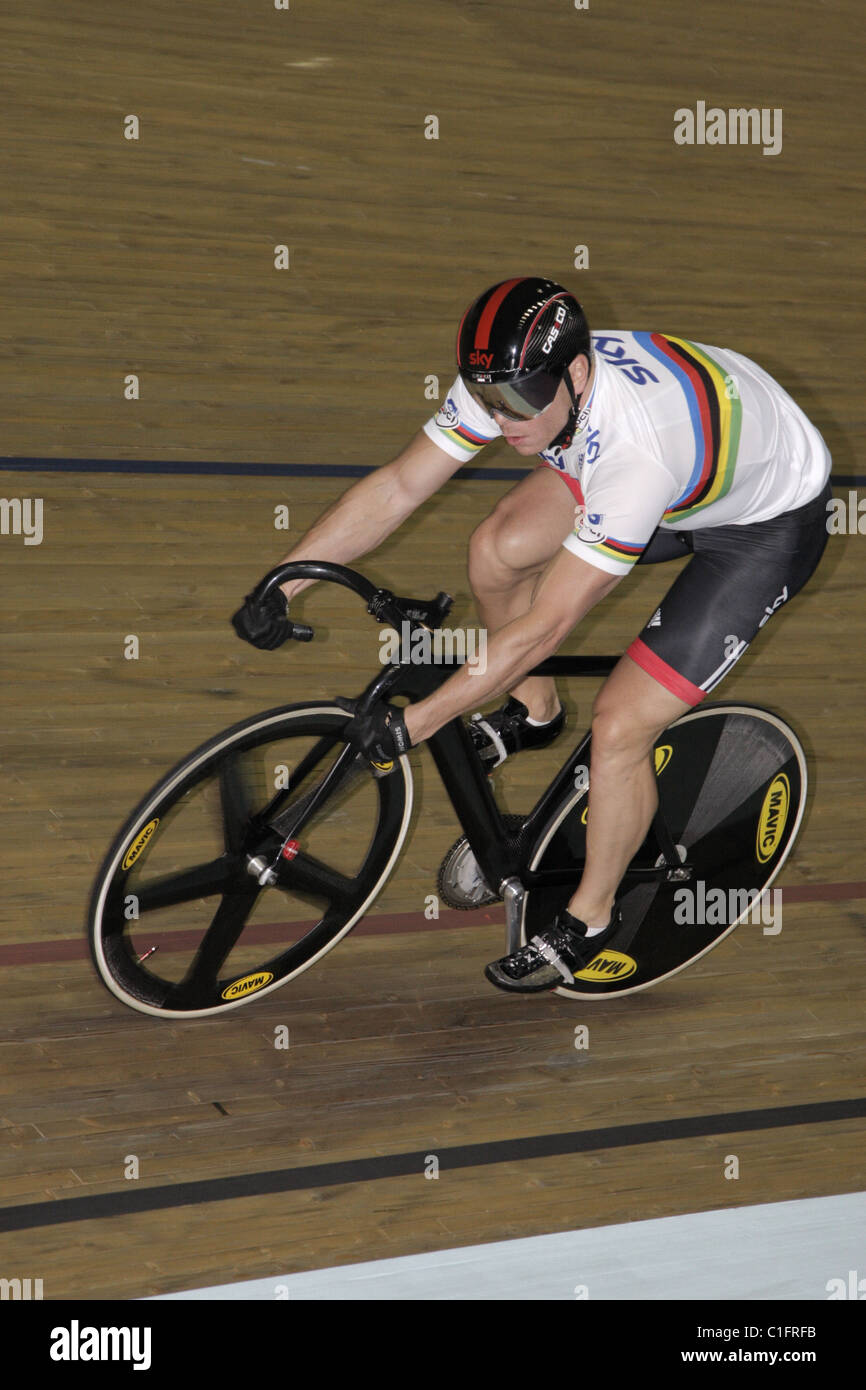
{"type": "Point", "coordinates": [675, 875]}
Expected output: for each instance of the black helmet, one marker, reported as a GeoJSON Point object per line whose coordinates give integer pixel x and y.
{"type": "Point", "coordinates": [515, 344]}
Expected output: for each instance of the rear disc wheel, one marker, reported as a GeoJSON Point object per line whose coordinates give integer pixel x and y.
{"type": "Point", "coordinates": [732, 785]}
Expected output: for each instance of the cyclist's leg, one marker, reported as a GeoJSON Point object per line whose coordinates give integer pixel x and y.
{"type": "Point", "coordinates": [507, 554]}
{"type": "Point", "coordinates": [631, 711]}
{"type": "Point", "coordinates": [737, 579]}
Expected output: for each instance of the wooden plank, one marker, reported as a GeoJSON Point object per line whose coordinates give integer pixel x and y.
{"type": "Point", "coordinates": [156, 257]}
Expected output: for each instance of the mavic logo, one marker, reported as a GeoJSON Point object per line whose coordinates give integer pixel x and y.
{"type": "Point", "coordinates": [774, 814]}
{"type": "Point", "coordinates": [138, 844]}
{"type": "Point", "coordinates": [248, 984]}
{"type": "Point", "coordinates": [608, 965]}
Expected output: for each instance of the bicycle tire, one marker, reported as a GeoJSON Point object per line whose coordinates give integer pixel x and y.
{"type": "Point", "coordinates": [221, 790]}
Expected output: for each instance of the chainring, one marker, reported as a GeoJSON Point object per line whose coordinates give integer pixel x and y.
{"type": "Point", "coordinates": [460, 882]}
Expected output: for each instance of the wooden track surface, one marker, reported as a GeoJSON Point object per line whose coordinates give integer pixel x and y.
{"type": "Point", "coordinates": [155, 257]}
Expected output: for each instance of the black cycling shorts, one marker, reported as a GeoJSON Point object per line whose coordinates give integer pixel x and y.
{"type": "Point", "coordinates": [738, 577]}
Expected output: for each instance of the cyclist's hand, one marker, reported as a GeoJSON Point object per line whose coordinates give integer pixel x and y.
{"type": "Point", "coordinates": [381, 735]}
{"type": "Point", "coordinates": [264, 622]}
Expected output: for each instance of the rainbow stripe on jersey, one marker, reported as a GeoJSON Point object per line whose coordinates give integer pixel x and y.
{"type": "Point", "coordinates": [624, 551]}
{"type": "Point", "coordinates": [716, 415]}
{"type": "Point", "coordinates": [465, 437]}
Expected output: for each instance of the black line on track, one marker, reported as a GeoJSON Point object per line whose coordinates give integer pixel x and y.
{"type": "Point", "coordinates": [131, 1202]}
{"type": "Point", "coordinates": [249, 470]}
{"type": "Point", "coordinates": [279, 470]}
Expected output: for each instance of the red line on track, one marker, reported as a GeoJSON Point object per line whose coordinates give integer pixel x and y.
{"type": "Point", "coordinates": [385, 924]}
{"type": "Point", "coordinates": [45, 952]}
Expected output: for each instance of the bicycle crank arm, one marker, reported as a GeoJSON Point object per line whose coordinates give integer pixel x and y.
{"type": "Point", "coordinates": [512, 893]}
{"type": "Point", "coordinates": [657, 873]}
{"type": "Point", "coordinates": [666, 873]}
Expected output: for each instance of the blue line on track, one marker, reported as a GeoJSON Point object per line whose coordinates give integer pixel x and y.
{"type": "Point", "coordinates": [250, 470]}
{"type": "Point", "coordinates": [279, 470]}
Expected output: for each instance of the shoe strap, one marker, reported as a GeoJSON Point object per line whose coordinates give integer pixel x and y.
{"type": "Point", "coordinates": [553, 958]}
{"type": "Point", "coordinates": [499, 746]}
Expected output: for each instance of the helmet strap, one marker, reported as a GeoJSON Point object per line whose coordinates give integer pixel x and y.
{"type": "Point", "coordinates": [566, 434]}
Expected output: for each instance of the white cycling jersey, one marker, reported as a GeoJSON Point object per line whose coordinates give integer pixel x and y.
{"type": "Point", "coordinates": [674, 434]}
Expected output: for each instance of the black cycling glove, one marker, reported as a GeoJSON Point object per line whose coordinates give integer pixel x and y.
{"type": "Point", "coordinates": [264, 622]}
{"type": "Point", "coordinates": [381, 736]}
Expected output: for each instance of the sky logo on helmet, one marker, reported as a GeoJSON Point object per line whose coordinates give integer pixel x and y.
{"type": "Point", "coordinates": [480, 359]}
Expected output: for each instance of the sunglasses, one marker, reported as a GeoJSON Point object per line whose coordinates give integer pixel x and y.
{"type": "Point", "coordinates": [523, 400]}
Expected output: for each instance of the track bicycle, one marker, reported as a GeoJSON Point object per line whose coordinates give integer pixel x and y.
{"type": "Point", "coordinates": [260, 851]}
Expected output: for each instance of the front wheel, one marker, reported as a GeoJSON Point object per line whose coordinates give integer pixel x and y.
{"type": "Point", "coordinates": [732, 790]}
{"type": "Point", "coordinates": [181, 923]}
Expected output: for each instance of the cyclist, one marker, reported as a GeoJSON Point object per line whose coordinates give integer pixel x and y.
{"type": "Point", "coordinates": [651, 448]}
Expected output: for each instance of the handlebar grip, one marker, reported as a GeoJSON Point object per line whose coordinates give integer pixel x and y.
{"type": "Point", "coordinates": [301, 632]}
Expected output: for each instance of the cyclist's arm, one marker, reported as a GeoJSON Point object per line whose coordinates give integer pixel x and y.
{"type": "Point", "coordinates": [567, 591]}
{"type": "Point", "coordinates": [628, 499]}
{"type": "Point", "coordinates": [373, 507]}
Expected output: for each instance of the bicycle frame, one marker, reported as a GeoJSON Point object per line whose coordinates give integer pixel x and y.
{"type": "Point", "coordinates": [501, 854]}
